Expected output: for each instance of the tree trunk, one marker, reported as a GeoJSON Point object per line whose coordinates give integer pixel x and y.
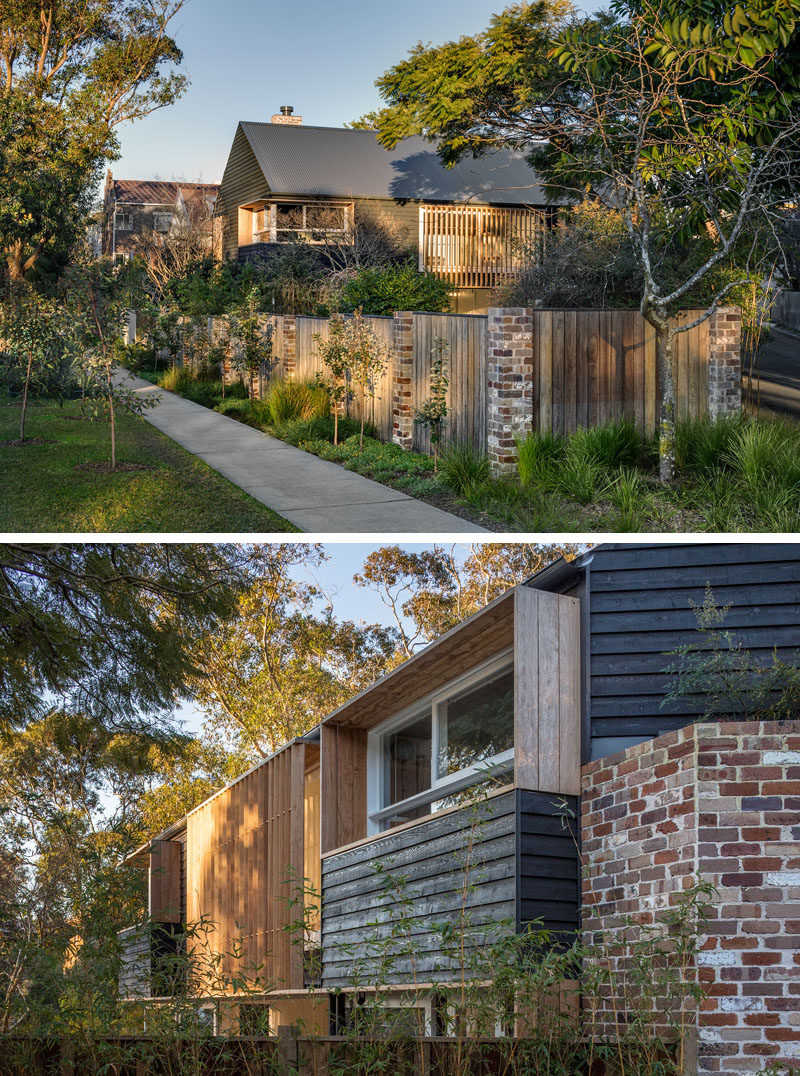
{"type": "Point", "coordinates": [25, 398]}
{"type": "Point", "coordinates": [15, 262]}
{"type": "Point", "coordinates": [361, 435]}
{"type": "Point", "coordinates": [666, 427]}
{"type": "Point", "coordinates": [112, 418]}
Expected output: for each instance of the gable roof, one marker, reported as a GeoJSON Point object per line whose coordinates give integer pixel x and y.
{"type": "Point", "coordinates": [156, 192]}
{"type": "Point", "coordinates": [341, 162]}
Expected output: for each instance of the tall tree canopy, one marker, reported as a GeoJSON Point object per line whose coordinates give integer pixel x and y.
{"type": "Point", "coordinates": [684, 119]}
{"type": "Point", "coordinates": [108, 630]}
{"type": "Point", "coordinates": [71, 71]}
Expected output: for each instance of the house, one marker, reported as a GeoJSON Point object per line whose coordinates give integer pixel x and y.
{"type": "Point", "coordinates": [137, 211]}
{"type": "Point", "coordinates": [285, 180]}
{"type": "Point", "coordinates": [557, 691]}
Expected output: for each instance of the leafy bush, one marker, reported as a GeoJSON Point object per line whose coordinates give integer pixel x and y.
{"type": "Point", "coordinates": [136, 357]}
{"type": "Point", "coordinates": [177, 379]}
{"type": "Point", "coordinates": [287, 401]}
{"type": "Point", "coordinates": [463, 467]}
{"type": "Point", "coordinates": [537, 455]}
{"type": "Point", "coordinates": [384, 289]}
{"type": "Point", "coordinates": [579, 477]}
{"type": "Point", "coordinates": [235, 406]}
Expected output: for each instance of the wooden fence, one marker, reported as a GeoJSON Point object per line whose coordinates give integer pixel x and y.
{"type": "Point", "coordinates": [591, 366]}
{"type": "Point", "coordinates": [787, 309]}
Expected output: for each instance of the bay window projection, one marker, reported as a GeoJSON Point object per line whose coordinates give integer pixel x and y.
{"type": "Point", "coordinates": [425, 759]}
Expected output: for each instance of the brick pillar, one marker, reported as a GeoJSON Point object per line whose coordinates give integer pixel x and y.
{"type": "Point", "coordinates": [402, 375]}
{"type": "Point", "coordinates": [509, 384]}
{"type": "Point", "coordinates": [289, 345]}
{"type": "Point", "coordinates": [725, 362]}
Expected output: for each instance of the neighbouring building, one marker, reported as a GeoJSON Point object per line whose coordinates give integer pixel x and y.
{"type": "Point", "coordinates": [606, 794]}
{"type": "Point", "coordinates": [285, 180]}
{"type": "Point", "coordinates": [135, 212]}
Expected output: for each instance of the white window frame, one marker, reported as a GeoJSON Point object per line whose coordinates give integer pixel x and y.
{"type": "Point", "coordinates": [440, 787]}
{"type": "Point", "coordinates": [307, 233]}
{"type": "Point", "coordinates": [119, 217]}
{"type": "Point", "coordinates": [162, 215]}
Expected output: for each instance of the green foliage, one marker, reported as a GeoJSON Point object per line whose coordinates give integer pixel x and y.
{"type": "Point", "coordinates": [702, 446]}
{"type": "Point", "coordinates": [735, 683]}
{"type": "Point", "coordinates": [385, 288]}
{"type": "Point", "coordinates": [286, 401]}
{"type": "Point", "coordinates": [252, 336]}
{"type": "Point", "coordinates": [463, 467]}
{"type": "Point", "coordinates": [433, 413]}
{"type": "Point", "coordinates": [318, 429]}
{"type": "Point", "coordinates": [617, 443]}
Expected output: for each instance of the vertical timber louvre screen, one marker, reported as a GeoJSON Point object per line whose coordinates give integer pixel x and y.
{"type": "Point", "coordinates": [592, 366]}
{"type": "Point", "coordinates": [477, 246]}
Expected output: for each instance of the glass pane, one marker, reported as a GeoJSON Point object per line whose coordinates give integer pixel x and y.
{"type": "Point", "coordinates": [289, 217]}
{"type": "Point", "coordinates": [477, 724]}
{"type": "Point", "coordinates": [407, 761]}
{"type": "Point", "coordinates": [325, 217]}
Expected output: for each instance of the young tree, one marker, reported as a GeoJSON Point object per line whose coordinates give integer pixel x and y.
{"type": "Point", "coordinates": [685, 122]}
{"type": "Point", "coordinates": [367, 356]}
{"type": "Point", "coordinates": [71, 73]}
{"type": "Point", "coordinates": [31, 335]}
{"type": "Point", "coordinates": [433, 412]}
{"type": "Point", "coordinates": [334, 354]}
{"type": "Point", "coordinates": [251, 333]}
{"type": "Point", "coordinates": [97, 299]}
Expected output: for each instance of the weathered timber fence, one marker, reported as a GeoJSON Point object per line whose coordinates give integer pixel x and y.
{"type": "Point", "coordinates": [521, 369]}
{"type": "Point", "coordinates": [132, 1055]}
{"type": "Point", "coordinates": [787, 309]}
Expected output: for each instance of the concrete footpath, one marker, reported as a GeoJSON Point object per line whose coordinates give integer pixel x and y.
{"type": "Point", "coordinates": [316, 495]}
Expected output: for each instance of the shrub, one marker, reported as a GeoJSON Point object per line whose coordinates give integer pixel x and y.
{"type": "Point", "coordinates": [384, 289]}
{"type": "Point", "coordinates": [287, 401]}
{"type": "Point", "coordinates": [233, 406]}
{"type": "Point", "coordinates": [463, 467]}
{"type": "Point", "coordinates": [177, 379]}
{"type": "Point", "coordinates": [701, 445]}
{"type": "Point", "coordinates": [579, 477]}
{"type": "Point", "coordinates": [537, 455]}
{"type": "Point", "coordinates": [318, 429]}
{"type": "Point", "coordinates": [136, 357]}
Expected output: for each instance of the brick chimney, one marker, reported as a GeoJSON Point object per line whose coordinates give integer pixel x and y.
{"type": "Point", "coordinates": [287, 116]}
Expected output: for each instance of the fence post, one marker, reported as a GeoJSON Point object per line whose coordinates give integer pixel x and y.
{"type": "Point", "coordinates": [289, 333]}
{"type": "Point", "coordinates": [402, 358]}
{"type": "Point", "coordinates": [725, 362]}
{"type": "Point", "coordinates": [509, 384]}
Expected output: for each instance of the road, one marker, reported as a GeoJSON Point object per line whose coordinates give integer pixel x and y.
{"type": "Point", "coordinates": [777, 389]}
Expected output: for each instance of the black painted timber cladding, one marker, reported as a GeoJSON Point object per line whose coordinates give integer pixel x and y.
{"type": "Point", "coordinates": [640, 609]}
{"type": "Point", "coordinates": [522, 865]}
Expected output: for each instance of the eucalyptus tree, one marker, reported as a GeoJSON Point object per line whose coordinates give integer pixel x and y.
{"type": "Point", "coordinates": [72, 71]}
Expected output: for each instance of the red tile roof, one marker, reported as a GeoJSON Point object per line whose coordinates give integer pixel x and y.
{"type": "Point", "coordinates": [155, 192]}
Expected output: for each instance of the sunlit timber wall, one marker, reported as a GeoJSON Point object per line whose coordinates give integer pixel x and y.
{"type": "Point", "coordinates": [720, 804]}
{"type": "Point", "coordinates": [513, 370]}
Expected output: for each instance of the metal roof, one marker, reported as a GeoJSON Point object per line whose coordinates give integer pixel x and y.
{"type": "Point", "coordinates": [341, 162]}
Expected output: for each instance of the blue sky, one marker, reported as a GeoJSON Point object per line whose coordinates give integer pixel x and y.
{"type": "Point", "coordinates": [246, 59]}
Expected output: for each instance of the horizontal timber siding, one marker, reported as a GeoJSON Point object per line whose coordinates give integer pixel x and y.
{"type": "Point", "coordinates": [641, 609]}
{"type": "Point", "coordinates": [549, 863]}
{"type": "Point", "coordinates": [134, 973]}
{"type": "Point", "coordinates": [361, 907]}
{"type": "Point", "coordinates": [242, 182]}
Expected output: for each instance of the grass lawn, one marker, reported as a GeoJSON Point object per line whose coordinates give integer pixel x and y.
{"type": "Point", "coordinates": [44, 488]}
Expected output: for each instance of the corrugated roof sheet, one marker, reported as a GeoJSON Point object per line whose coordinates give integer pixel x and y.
{"type": "Point", "coordinates": [340, 162]}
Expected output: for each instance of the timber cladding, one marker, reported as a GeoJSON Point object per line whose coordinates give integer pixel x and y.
{"type": "Point", "coordinates": [244, 846]}
{"type": "Point", "coordinates": [591, 366]}
{"type": "Point", "coordinates": [640, 602]}
{"type": "Point", "coordinates": [491, 867]}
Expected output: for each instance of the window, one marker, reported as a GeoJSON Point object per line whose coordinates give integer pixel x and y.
{"type": "Point", "coordinates": [313, 221]}
{"type": "Point", "coordinates": [426, 758]}
{"type": "Point", "coordinates": [123, 222]}
{"type": "Point", "coordinates": [162, 222]}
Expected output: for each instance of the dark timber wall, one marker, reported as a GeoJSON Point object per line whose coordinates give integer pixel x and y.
{"type": "Point", "coordinates": [519, 836]}
{"type": "Point", "coordinates": [637, 605]}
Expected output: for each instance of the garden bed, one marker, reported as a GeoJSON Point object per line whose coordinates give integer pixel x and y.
{"type": "Point", "coordinates": [739, 474]}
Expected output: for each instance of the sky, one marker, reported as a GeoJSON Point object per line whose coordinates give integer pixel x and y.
{"type": "Point", "coordinates": [335, 576]}
{"type": "Point", "coordinates": [246, 59]}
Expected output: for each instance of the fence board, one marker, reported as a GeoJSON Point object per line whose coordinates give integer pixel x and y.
{"type": "Point", "coordinates": [466, 337]}
{"type": "Point", "coordinates": [787, 309]}
{"type": "Point", "coordinates": [591, 366]}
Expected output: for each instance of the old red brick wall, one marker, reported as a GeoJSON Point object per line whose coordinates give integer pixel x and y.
{"type": "Point", "coordinates": [720, 803]}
